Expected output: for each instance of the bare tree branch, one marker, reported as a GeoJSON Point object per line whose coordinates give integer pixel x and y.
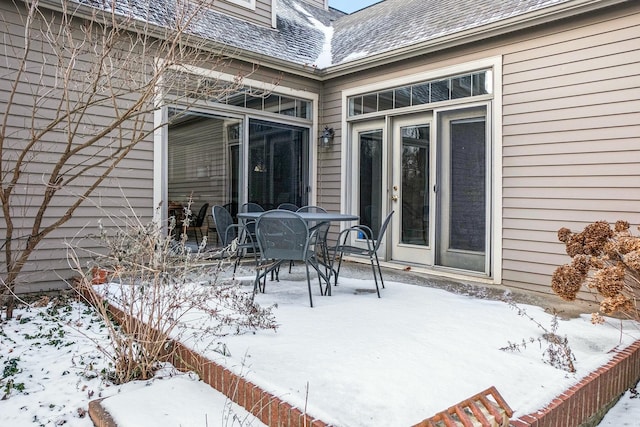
{"type": "Point", "coordinates": [82, 93]}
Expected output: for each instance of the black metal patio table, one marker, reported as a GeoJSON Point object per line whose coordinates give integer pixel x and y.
{"type": "Point", "coordinates": [316, 218]}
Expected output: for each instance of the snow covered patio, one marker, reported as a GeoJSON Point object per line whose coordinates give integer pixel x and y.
{"type": "Point", "coordinates": [356, 360]}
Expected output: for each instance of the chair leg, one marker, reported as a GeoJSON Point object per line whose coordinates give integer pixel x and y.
{"type": "Point", "coordinates": [337, 270]}
{"type": "Point", "coordinates": [264, 281]}
{"type": "Point", "coordinates": [309, 284]}
{"type": "Point", "coordinates": [256, 281]}
{"type": "Point", "coordinates": [379, 270]}
{"type": "Point", "coordinates": [375, 276]}
{"type": "Point", "coordinates": [316, 267]}
{"type": "Point", "coordinates": [239, 256]}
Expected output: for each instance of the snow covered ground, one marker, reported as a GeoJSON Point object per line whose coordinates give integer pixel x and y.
{"type": "Point", "coordinates": [352, 359]}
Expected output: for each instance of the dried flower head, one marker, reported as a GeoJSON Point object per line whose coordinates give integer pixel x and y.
{"type": "Point", "coordinates": [618, 303]}
{"type": "Point", "coordinates": [632, 260]}
{"type": "Point", "coordinates": [574, 245]}
{"type": "Point", "coordinates": [595, 236]}
{"type": "Point", "coordinates": [626, 244]}
{"type": "Point", "coordinates": [607, 260]}
{"type": "Point", "coordinates": [621, 226]}
{"type": "Point", "coordinates": [581, 263]}
{"type": "Point", "coordinates": [564, 234]}
{"type": "Point", "coordinates": [566, 282]}
{"type": "Point", "coordinates": [609, 281]}
{"type": "Point", "coordinates": [611, 250]}
{"type": "Point", "coordinates": [597, 319]}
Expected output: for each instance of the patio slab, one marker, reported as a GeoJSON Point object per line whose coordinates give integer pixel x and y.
{"type": "Point", "coordinates": [273, 410]}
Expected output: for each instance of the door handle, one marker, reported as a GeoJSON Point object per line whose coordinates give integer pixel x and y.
{"type": "Point", "coordinates": [394, 197]}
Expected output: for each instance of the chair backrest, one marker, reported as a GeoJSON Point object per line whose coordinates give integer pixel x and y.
{"type": "Point", "coordinates": [282, 235]}
{"type": "Point", "coordinates": [311, 209]}
{"type": "Point", "coordinates": [383, 230]}
{"type": "Point", "coordinates": [232, 208]}
{"type": "Point", "coordinates": [251, 207]}
{"type": "Point", "coordinates": [222, 218]}
{"type": "Point", "coordinates": [202, 213]}
{"type": "Point", "coordinates": [288, 207]}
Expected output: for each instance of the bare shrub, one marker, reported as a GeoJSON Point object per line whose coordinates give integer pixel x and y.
{"type": "Point", "coordinates": [556, 350]}
{"type": "Point", "coordinates": [606, 262]}
{"type": "Point", "coordinates": [165, 291]}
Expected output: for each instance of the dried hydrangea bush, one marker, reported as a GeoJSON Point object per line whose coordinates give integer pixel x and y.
{"type": "Point", "coordinates": [604, 261]}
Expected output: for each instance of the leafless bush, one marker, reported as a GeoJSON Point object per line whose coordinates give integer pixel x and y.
{"type": "Point", "coordinates": [165, 290]}
{"type": "Point", "coordinates": [556, 350]}
{"type": "Point", "coordinates": [606, 262]}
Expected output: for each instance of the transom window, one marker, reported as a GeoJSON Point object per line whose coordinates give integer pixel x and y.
{"type": "Point", "coordinates": [269, 102]}
{"type": "Point", "coordinates": [427, 92]}
{"type": "Point", "coordinates": [188, 85]}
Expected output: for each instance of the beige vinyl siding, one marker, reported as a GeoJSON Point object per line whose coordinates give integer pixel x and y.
{"type": "Point", "coordinates": [317, 3]}
{"type": "Point", "coordinates": [571, 141]}
{"type": "Point", "coordinates": [571, 132]}
{"type": "Point", "coordinates": [261, 15]}
{"type": "Point", "coordinates": [131, 183]}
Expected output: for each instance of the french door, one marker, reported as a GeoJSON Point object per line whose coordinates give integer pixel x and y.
{"type": "Point", "coordinates": [434, 171]}
{"type": "Point", "coordinates": [411, 190]}
{"type": "Point", "coordinates": [463, 190]}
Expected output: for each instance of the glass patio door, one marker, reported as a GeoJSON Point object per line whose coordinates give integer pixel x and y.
{"type": "Point", "coordinates": [411, 193]}
{"type": "Point", "coordinates": [463, 200]}
{"type": "Point", "coordinates": [434, 171]}
{"type": "Point", "coordinates": [369, 167]}
{"type": "Point", "coordinates": [278, 164]}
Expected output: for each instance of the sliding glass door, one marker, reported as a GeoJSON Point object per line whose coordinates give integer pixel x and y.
{"type": "Point", "coordinates": [278, 165]}
{"type": "Point", "coordinates": [211, 161]}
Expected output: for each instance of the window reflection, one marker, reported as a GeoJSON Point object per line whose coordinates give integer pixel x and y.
{"type": "Point", "coordinates": [370, 187]}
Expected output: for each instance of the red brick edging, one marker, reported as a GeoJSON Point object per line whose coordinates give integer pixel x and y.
{"type": "Point", "coordinates": [268, 408]}
{"type": "Point", "coordinates": [586, 402]}
{"type": "Point", "coordinates": [578, 406]}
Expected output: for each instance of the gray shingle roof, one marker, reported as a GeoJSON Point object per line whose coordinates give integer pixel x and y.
{"type": "Point", "coordinates": [393, 24]}
{"type": "Point", "coordinates": [304, 31]}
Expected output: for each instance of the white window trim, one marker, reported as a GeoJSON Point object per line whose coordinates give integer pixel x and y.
{"type": "Point", "coordinates": [494, 63]}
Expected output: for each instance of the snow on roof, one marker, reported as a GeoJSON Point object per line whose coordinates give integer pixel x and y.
{"type": "Point", "coordinates": [311, 36]}
{"type": "Point", "coordinates": [394, 24]}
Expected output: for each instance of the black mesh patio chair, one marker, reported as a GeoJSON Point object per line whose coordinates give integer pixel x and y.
{"type": "Point", "coordinates": [284, 236]}
{"type": "Point", "coordinates": [197, 224]}
{"type": "Point", "coordinates": [288, 207]}
{"type": "Point", "coordinates": [251, 224]}
{"type": "Point", "coordinates": [322, 231]}
{"type": "Point", "coordinates": [233, 236]}
{"type": "Point", "coordinates": [232, 208]}
{"type": "Point", "coordinates": [371, 249]}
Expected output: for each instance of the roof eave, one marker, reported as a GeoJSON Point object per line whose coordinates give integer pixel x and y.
{"type": "Point", "coordinates": [497, 28]}
{"type": "Point", "coordinates": [258, 59]}
{"type": "Point", "coordinates": [86, 12]}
